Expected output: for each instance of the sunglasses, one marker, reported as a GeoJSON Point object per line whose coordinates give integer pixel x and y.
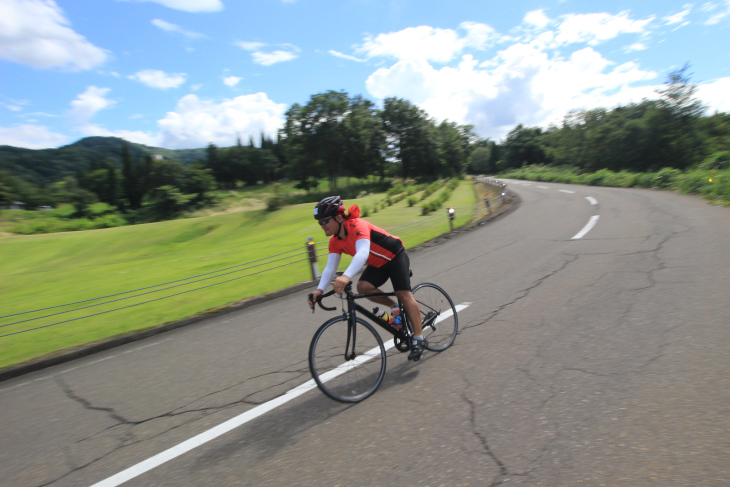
{"type": "Point", "coordinates": [324, 221]}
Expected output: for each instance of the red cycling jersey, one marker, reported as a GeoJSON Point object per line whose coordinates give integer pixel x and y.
{"type": "Point", "coordinates": [383, 246]}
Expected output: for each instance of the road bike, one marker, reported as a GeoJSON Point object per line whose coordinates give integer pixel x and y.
{"type": "Point", "coordinates": [347, 356]}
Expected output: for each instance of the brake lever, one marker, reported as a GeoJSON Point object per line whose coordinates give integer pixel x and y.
{"type": "Point", "coordinates": [311, 300]}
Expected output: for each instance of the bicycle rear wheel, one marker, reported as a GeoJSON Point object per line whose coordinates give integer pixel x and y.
{"type": "Point", "coordinates": [347, 370]}
{"type": "Point", "coordinates": [438, 313]}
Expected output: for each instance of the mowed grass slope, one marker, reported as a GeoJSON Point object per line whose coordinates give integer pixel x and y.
{"type": "Point", "coordinates": [48, 270]}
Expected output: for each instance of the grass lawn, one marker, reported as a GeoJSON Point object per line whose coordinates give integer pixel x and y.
{"type": "Point", "coordinates": [40, 271]}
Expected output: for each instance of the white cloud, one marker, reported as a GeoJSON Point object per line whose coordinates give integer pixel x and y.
{"type": "Point", "coordinates": [88, 103]}
{"type": "Point", "coordinates": [537, 18]}
{"type": "Point", "coordinates": [594, 29]}
{"type": "Point", "coordinates": [345, 56]}
{"type": "Point", "coordinates": [677, 18]}
{"type": "Point", "coordinates": [722, 14]}
{"type": "Point", "coordinates": [521, 84]}
{"type": "Point", "coordinates": [636, 46]}
{"type": "Point", "coordinates": [231, 80]}
{"type": "Point", "coordinates": [249, 46]}
{"type": "Point", "coordinates": [282, 52]}
{"type": "Point", "coordinates": [37, 33]}
{"type": "Point", "coordinates": [176, 29]}
{"type": "Point", "coordinates": [31, 137]}
{"type": "Point", "coordinates": [196, 122]}
{"type": "Point", "coordinates": [269, 58]}
{"type": "Point", "coordinates": [427, 43]}
{"type": "Point", "coordinates": [154, 78]}
{"type": "Point", "coordinates": [716, 95]}
{"type": "Point", "coordinates": [545, 69]}
{"type": "Point", "coordinates": [193, 6]}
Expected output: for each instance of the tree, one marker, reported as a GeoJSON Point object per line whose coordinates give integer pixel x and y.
{"type": "Point", "coordinates": [479, 161]}
{"type": "Point", "coordinates": [81, 199]}
{"type": "Point", "coordinates": [167, 201]}
{"type": "Point", "coordinates": [166, 172]}
{"type": "Point", "coordinates": [364, 139]}
{"type": "Point", "coordinates": [134, 177]}
{"type": "Point", "coordinates": [522, 147]}
{"type": "Point", "coordinates": [200, 181]}
{"type": "Point", "coordinates": [678, 95]}
{"type": "Point", "coordinates": [411, 138]}
{"type": "Point", "coordinates": [681, 142]}
{"type": "Point", "coordinates": [314, 136]}
{"type": "Point", "coordinates": [454, 147]}
{"type": "Point", "coordinates": [112, 190]}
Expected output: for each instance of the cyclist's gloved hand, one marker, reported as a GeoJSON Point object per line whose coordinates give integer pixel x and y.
{"type": "Point", "coordinates": [340, 283]}
{"type": "Point", "coordinates": [312, 298]}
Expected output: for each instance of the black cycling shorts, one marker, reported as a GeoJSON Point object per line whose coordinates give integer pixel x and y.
{"type": "Point", "coordinates": [397, 270]}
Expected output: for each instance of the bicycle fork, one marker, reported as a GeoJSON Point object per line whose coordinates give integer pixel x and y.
{"type": "Point", "coordinates": [351, 334]}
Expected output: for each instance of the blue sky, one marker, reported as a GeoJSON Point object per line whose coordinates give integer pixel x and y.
{"type": "Point", "coordinates": [183, 73]}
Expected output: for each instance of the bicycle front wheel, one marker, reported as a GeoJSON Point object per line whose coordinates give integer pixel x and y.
{"type": "Point", "coordinates": [347, 365]}
{"type": "Point", "coordinates": [438, 313]}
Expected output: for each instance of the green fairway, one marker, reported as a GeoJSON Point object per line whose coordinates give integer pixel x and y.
{"type": "Point", "coordinates": [41, 271]}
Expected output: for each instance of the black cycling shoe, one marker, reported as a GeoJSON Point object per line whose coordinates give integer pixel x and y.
{"type": "Point", "coordinates": [416, 349]}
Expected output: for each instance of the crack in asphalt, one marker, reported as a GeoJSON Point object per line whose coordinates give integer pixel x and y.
{"type": "Point", "coordinates": [525, 292]}
{"type": "Point", "coordinates": [475, 258]}
{"type": "Point", "coordinates": [128, 438]}
{"type": "Point", "coordinates": [504, 470]}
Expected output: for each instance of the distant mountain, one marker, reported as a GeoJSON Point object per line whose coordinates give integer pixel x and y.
{"type": "Point", "coordinates": [49, 165]}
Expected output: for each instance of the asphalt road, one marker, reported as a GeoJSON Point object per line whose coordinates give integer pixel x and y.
{"type": "Point", "coordinates": [599, 361]}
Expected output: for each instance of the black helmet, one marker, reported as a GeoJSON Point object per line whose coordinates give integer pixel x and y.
{"type": "Point", "coordinates": [328, 207]}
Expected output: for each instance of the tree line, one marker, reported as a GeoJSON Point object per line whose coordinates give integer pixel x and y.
{"type": "Point", "coordinates": [669, 132]}
{"type": "Point", "coordinates": [335, 134]}
{"type": "Point", "coordinates": [331, 136]}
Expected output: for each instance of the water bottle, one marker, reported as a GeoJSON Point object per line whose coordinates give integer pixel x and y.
{"type": "Point", "coordinates": [397, 320]}
{"type": "Point", "coordinates": [380, 313]}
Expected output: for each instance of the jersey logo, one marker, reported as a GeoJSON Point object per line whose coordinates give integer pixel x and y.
{"type": "Point", "coordinates": [358, 233]}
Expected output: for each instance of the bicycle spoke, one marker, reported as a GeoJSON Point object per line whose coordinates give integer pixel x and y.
{"type": "Point", "coordinates": [436, 308]}
{"type": "Point", "coordinates": [351, 380]}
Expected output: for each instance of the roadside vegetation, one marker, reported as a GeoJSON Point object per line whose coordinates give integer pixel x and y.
{"type": "Point", "coordinates": [40, 271]}
{"type": "Point", "coordinates": [333, 137]}
{"type": "Point", "coordinates": [668, 143]}
{"type": "Point", "coordinates": [158, 219]}
{"type": "Point", "coordinates": [712, 184]}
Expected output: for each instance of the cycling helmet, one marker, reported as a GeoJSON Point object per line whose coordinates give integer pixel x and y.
{"type": "Point", "coordinates": [328, 207]}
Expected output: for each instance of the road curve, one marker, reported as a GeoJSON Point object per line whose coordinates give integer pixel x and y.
{"type": "Point", "coordinates": [599, 360]}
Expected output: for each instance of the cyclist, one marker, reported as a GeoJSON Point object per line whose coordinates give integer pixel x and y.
{"type": "Point", "coordinates": [383, 253]}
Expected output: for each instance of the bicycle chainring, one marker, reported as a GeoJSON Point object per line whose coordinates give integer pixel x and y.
{"type": "Point", "coordinates": [402, 346]}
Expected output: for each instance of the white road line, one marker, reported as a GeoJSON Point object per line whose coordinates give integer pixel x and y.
{"type": "Point", "coordinates": [592, 200]}
{"type": "Point", "coordinates": [591, 223]}
{"type": "Point", "coordinates": [241, 419]}
{"type": "Point", "coordinates": [544, 187]}
{"type": "Point", "coordinates": [566, 191]}
{"type": "Point", "coordinates": [526, 184]}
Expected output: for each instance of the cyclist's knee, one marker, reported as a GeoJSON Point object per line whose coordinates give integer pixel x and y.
{"type": "Point", "coordinates": [364, 287]}
{"type": "Point", "coordinates": [404, 295]}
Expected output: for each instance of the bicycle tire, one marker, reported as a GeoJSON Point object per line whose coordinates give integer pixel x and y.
{"type": "Point", "coordinates": [438, 309]}
{"type": "Point", "coordinates": [353, 380]}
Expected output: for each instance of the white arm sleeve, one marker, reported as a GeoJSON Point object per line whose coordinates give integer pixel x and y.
{"type": "Point", "coordinates": [333, 262]}
{"type": "Point", "coordinates": [361, 256]}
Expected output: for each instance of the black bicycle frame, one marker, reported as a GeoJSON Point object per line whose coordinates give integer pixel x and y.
{"type": "Point", "coordinates": [383, 324]}
{"type": "Point", "coordinates": [352, 309]}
